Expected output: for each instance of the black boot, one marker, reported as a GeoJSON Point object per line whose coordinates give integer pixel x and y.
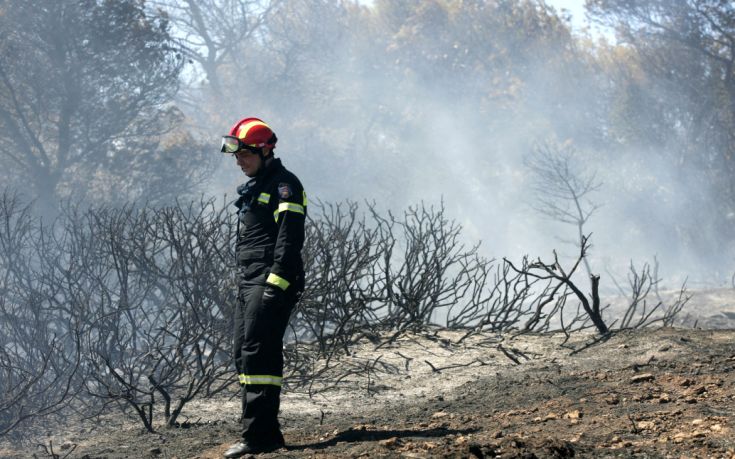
{"type": "Point", "coordinates": [242, 448]}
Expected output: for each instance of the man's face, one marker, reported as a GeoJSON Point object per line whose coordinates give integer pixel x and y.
{"type": "Point", "coordinates": [248, 162]}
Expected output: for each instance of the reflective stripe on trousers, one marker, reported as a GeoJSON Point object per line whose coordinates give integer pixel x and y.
{"type": "Point", "coordinates": [260, 379]}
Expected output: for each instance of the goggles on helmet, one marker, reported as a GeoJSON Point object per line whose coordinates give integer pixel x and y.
{"type": "Point", "coordinates": [232, 144]}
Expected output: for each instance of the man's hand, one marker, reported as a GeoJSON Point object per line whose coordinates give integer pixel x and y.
{"type": "Point", "coordinates": [272, 296]}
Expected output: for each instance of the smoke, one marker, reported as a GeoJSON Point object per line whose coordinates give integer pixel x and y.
{"type": "Point", "coordinates": [356, 122]}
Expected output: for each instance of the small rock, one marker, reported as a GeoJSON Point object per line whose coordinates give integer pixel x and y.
{"type": "Point", "coordinates": [438, 414]}
{"type": "Point", "coordinates": [697, 422]}
{"type": "Point", "coordinates": [642, 378]}
{"type": "Point", "coordinates": [155, 451]}
{"type": "Point", "coordinates": [664, 348]}
{"type": "Point", "coordinates": [699, 390]}
{"type": "Point", "coordinates": [551, 417]}
{"type": "Point", "coordinates": [623, 346]}
{"type": "Point", "coordinates": [716, 428]}
{"type": "Point", "coordinates": [66, 445]}
{"type": "Point", "coordinates": [681, 436]}
{"type": "Point", "coordinates": [646, 425]}
{"type": "Point", "coordinates": [664, 398]}
{"type": "Point", "coordinates": [389, 442]}
{"type": "Point", "coordinates": [576, 414]}
{"type": "Point", "coordinates": [461, 440]}
{"type": "Point", "coordinates": [612, 400]}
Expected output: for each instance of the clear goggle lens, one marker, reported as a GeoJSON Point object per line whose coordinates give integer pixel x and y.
{"type": "Point", "coordinates": [230, 144]}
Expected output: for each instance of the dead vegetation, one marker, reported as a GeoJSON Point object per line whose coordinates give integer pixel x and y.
{"type": "Point", "coordinates": [128, 308]}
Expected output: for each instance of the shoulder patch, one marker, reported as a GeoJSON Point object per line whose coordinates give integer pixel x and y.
{"type": "Point", "coordinates": [284, 190]}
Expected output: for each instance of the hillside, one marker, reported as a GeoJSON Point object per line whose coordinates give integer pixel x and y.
{"type": "Point", "coordinates": [656, 393]}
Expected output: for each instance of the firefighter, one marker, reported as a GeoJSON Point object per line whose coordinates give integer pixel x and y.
{"type": "Point", "coordinates": [271, 210]}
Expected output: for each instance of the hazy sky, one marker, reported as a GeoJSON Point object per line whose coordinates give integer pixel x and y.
{"type": "Point", "coordinates": [578, 19]}
{"type": "Point", "coordinates": [575, 8]}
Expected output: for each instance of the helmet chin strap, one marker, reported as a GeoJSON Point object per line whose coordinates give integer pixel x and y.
{"type": "Point", "coordinates": [263, 161]}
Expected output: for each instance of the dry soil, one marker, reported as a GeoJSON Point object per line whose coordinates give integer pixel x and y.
{"type": "Point", "coordinates": [657, 393]}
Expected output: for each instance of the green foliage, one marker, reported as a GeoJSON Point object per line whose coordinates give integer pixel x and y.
{"type": "Point", "coordinates": [85, 92]}
{"type": "Point", "coordinates": [673, 97]}
{"type": "Point", "coordinates": [96, 100]}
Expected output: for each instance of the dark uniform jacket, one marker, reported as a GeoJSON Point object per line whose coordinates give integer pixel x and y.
{"type": "Point", "coordinates": [271, 212]}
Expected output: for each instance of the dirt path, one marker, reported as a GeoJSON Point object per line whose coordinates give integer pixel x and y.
{"type": "Point", "coordinates": [664, 393]}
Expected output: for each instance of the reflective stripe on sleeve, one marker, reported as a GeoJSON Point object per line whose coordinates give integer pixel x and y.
{"type": "Point", "coordinates": [264, 198]}
{"type": "Point", "coordinates": [288, 207]}
{"type": "Point", "coordinates": [304, 198]}
{"type": "Point", "coordinates": [261, 379]}
{"type": "Point", "coordinates": [278, 281]}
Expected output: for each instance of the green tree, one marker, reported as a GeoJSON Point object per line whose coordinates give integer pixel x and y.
{"type": "Point", "coordinates": [686, 51]}
{"type": "Point", "coordinates": [675, 99]}
{"type": "Point", "coordinates": [85, 100]}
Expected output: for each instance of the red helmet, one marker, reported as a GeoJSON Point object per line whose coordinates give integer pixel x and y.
{"type": "Point", "coordinates": [254, 133]}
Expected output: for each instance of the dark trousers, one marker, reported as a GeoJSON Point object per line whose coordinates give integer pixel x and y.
{"type": "Point", "coordinates": [258, 351]}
